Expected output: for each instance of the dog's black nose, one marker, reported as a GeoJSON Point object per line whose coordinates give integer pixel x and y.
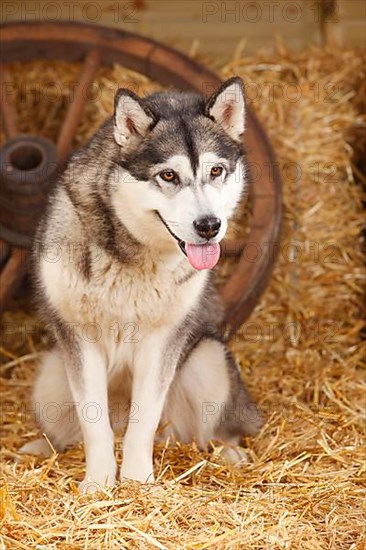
{"type": "Point", "coordinates": [207, 227]}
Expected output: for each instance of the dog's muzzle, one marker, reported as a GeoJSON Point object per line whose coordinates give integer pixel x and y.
{"type": "Point", "coordinates": [200, 256]}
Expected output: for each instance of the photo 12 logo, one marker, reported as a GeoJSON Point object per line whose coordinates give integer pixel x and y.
{"type": "Point", "coordinates": [51, 12]}
{"type": "Point", "coordinates": [251, 12]}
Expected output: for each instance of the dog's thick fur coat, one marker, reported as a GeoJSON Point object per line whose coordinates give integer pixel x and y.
{"type": "Point", "coordinates": [136, 325]}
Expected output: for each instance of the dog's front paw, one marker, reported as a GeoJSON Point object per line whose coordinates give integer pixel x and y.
{"type": "Point", "coordinates": [98, 478]}
{"type": "Point", "coordinates": [137, 476]}
{"type": "Point", "coordinates": [137, 472]}
{"type": "Point", "coordinates": [89, 487]}
{"type": "Point", "coordinates": [94, 484]}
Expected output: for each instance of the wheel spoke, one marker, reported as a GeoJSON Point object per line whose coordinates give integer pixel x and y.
{"type": "Point", "coordinates": [4, 251]}
{"type": "Point", "coordinates": [12, 274]}
{"type": "Point", "coordinates": [75, 111]}
{"type": "Point", "coordinates": [7, 107]}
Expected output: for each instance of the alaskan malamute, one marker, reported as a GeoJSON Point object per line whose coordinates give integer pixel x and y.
{"type": "Point", "coordinates": [123, 261]}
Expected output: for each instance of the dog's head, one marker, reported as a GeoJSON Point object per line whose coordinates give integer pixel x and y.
{"type": "Point", "coordinates": [180, 168]}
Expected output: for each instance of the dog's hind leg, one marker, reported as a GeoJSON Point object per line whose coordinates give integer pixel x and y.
{"type": "Point", "coordinates": [53, 407]}
{"type": "Point", "coordinates": [208, 401]}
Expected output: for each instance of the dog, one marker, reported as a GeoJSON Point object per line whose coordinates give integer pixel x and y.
{"type": "Point", "coordinates": [135, 223]}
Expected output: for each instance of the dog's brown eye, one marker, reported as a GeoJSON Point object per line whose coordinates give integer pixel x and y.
{"type": "Point", "coordinates": [168, 175]}
{"type": "Point", "coordinates": [216, 171]}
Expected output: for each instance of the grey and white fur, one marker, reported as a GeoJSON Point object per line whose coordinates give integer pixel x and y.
{"type": "Point", "coordinates": [122, 270]}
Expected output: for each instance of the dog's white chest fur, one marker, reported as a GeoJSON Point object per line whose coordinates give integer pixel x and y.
{"type": "Point", "coordinates": [121, 304]}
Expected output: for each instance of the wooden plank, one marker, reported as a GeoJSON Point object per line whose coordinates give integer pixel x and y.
{"type": "Point", "coordinates": [223, 38]}
{"type": "Point", "coordinates": [230, 12]}
{"type": "Point", "coordinates": [218, 25]}
{"type": "Point", "coordinates": [180, 9]}
{"type": "Point", "coordinates": [345, 25]}
{"type": "Point", "coordinates": [354, 9]}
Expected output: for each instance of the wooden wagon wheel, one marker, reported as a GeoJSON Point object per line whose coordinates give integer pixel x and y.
{"type": "Point", "coordinates": [23, 190]}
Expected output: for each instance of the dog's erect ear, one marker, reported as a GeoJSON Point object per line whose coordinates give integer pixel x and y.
{"type": "Point", "coordinates": [227, 107]}
{"type": "Point", "coordinates": [132, 121]}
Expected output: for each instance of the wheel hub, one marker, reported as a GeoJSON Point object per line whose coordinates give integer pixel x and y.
{"type": "Point", "coordinates": [27, 166]}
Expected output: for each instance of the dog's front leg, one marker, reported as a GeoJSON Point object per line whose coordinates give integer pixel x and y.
{"type": "Point", "coordinates": [87, 375]}
{"type": "Point", "coordinates": [153, 372]}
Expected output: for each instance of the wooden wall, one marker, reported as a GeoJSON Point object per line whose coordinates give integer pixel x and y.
{"type": "Point", "coordinates": [214, 27]}
{"type": "Point", "coordinates": [346, 23]}
{"type": "Point", "coordinates": [220, 26]}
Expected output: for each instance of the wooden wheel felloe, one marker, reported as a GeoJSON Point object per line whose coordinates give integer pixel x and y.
{"type": "Point", "coordinates": [24, 183]}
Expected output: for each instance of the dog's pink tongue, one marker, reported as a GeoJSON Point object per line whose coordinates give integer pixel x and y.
{"type": "Point", "coordinates": [203, 256]}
